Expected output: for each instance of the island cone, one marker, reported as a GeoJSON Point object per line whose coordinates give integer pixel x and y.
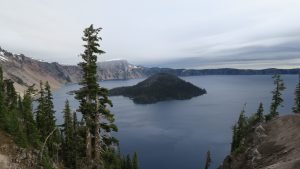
{"type": "Point", "coordinates": [159, 87]}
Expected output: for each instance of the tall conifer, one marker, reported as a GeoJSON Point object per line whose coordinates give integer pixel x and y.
{"type": "Point", "coordinates": [31, 130]}
{"type": "Point", "coordinates": [69, 138]}
{"type": "Point", "coordinates": [135, 161]}
{"type": "Point", "coordinates": [277, 96]}
{"type": "Point", "coordinates": [94, 100]}
{"type": "Point", "coordinates": [208, 160]}
{"type": "Point", "coordinates": [259, 114]}
{"type": "Point", "coordinates": [296, 108]}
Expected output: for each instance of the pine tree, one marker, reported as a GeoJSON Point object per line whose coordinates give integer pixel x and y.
{"type": "Point", "coordinates": [277, 96]}
{"type": "Point", "coordinates": [239, 133]}
{"type": "Point", "coordinates": [45, 117]}
{"type": "Point", "coordinates": [296, 108]}
{"type": "Point", "coordinates": [94, 100]}
{"type": "Point", "coordinates": [208, 160]}
{"type": "Point", "coordinates": [40, 112]}
{"type": "Point", "coordinates": [242, 126]}
{"type": "Point", "coordinates": [54, 141]}
{"type": "Point", "coordinates": [259, 114]}
{"type": "Point", "coordinates": [135, 161]}
{"type": "Point", "coordinates": [128, 162]}
{"type": "Point", "coordinates": [30, 126]}
{"type": "Point", "coordinates": [69, 144]}
{"type": "Point", "coordinates": [234, 143]}
{"type": "Point", "coordinates": [2, 104]}
{"type": "Point", "coordinates": [11, 103]}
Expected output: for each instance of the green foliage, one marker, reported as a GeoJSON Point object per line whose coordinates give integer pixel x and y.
{"type": "Point", "coordinates": [208, 160]}
{"type": "Point", "coordinates": [29, 125]}
{"type": "Point", "coordinates": [135, 161]}
{"type": "Point", "coordinates": [277, 97]}
{"type": "Point", "coordinates": [260, 114]}
{"type": "Point", "coordinates": [94, 100]}
{"type": "Point", "coordinates": [240, 130]}
{"type": "Point", "coordinates": [45, 118]}
{"type": "Point", "coordinates": [296, 108]}
{"type": "Point", "coordinates": [3, 110]}
{"type": "Point", "coordinates": [69, 144]}
{"type": "Point", "coordinates": [45, 163]}
{"type": "Point", "coordinates": [241, 149]}
{"type": "Point", "coordinates": [258, 117]}
{"type": "Point", "coordinates": [128, 162]}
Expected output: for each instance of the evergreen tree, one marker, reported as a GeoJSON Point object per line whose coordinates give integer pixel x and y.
{"type": "Point", "coordinates": [135, 162]}
{"type": "Point", "coordinates": [30, 127]}
{"type": "Point", "coordinates": [296, 108]}
{"type": "Point", "coordinates": [128, 162]}
{"type": "Point", "coordinates": [240, 130]}
{"type": "Point", "coordinates": [277, 97]}
{"type": "Point", "coordinates": [45, 116]}
{"type": "Point", "coordinates": [21, 138]}
{"type": "Point", "coordinates": [208, 160]}
{"type": "Point", "coordinates": [242, 126]}
{"type": "Point", "coordinates": [54, 141]}
{"type": "Point", "coordinates": [69, 144]}
{"type": "Point", "coordinates": [259, 115]}
{"type": "Point", "coordinates": [11, 103]}
{"type": "Point", "coordinates": [234, 143]}
{"type": "Point", "coordinates": [2, 104]}
{"type": "Point", "coordinates": [93, 101]}
{"type": "Point", "coordinates": [40, 112]}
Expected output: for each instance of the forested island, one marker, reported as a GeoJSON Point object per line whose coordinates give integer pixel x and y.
{"type": "Point", "coordinates": [159, 87]}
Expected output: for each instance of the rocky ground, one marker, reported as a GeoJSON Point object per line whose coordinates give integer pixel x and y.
{"type": "Point", "coordinates": [14, 157]}
{"type": "Point", "coordinates": [273, 145]}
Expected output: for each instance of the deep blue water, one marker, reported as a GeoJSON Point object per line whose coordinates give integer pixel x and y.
{"type": "Point", "coordinates": [177, 134]}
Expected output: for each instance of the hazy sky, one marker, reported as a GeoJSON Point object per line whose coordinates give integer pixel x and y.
{"type": "Point", "coordinates": [185, 33]}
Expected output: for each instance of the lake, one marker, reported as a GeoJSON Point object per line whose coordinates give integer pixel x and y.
{"type": "Point", "coordinates": [177, 134]}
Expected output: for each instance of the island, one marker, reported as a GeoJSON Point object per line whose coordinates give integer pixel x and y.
{"type": "Point", "coordinates": [159, 87]}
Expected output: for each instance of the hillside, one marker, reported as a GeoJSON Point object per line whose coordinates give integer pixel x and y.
{"type": "Point", "coordinates": [14, 157]}
{"type": "Point", "coordinates": [159, 87]}
{"type": "Point", "coordinates": [25, 71]}
{"type": "Point", "coordinates": [274, 145]}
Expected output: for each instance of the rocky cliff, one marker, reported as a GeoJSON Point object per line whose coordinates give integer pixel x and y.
{"type": "Point", "coordinates": [273, 145]}
{"type": "Point", "coordinates": [25, 71]}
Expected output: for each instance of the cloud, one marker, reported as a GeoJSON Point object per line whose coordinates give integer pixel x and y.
{"type": "Point", "coordinates": [153, 32]}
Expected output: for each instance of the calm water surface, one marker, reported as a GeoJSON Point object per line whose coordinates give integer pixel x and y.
{"type": "Point", "coordinates": [177, 134]}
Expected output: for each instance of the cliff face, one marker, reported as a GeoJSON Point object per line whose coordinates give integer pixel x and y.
{"type": "Point", "coordinates": [274, 145]}
{"type": "Point", "coordinates": [118, 69]}
{"type": "Point", "coordinates": [25, 71]}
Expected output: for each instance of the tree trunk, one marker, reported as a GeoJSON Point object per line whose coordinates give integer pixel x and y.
{"type": "Point", "coordinates": [88, 148]}
{"type": "Point", "coordinates": [97, 136]}
{"type": "Point", "coordinates": [88, 139]}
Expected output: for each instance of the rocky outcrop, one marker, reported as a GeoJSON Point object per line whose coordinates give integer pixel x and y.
{"type": "Point", "coordinates": [274, 145]}
{"type": "Point", "coordinates": [14, 157]}
{"type": "Point", "coordinates": [118, 69]}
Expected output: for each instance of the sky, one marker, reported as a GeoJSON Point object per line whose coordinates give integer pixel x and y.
{"type": "Point", "coordinates": [166, 33]}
